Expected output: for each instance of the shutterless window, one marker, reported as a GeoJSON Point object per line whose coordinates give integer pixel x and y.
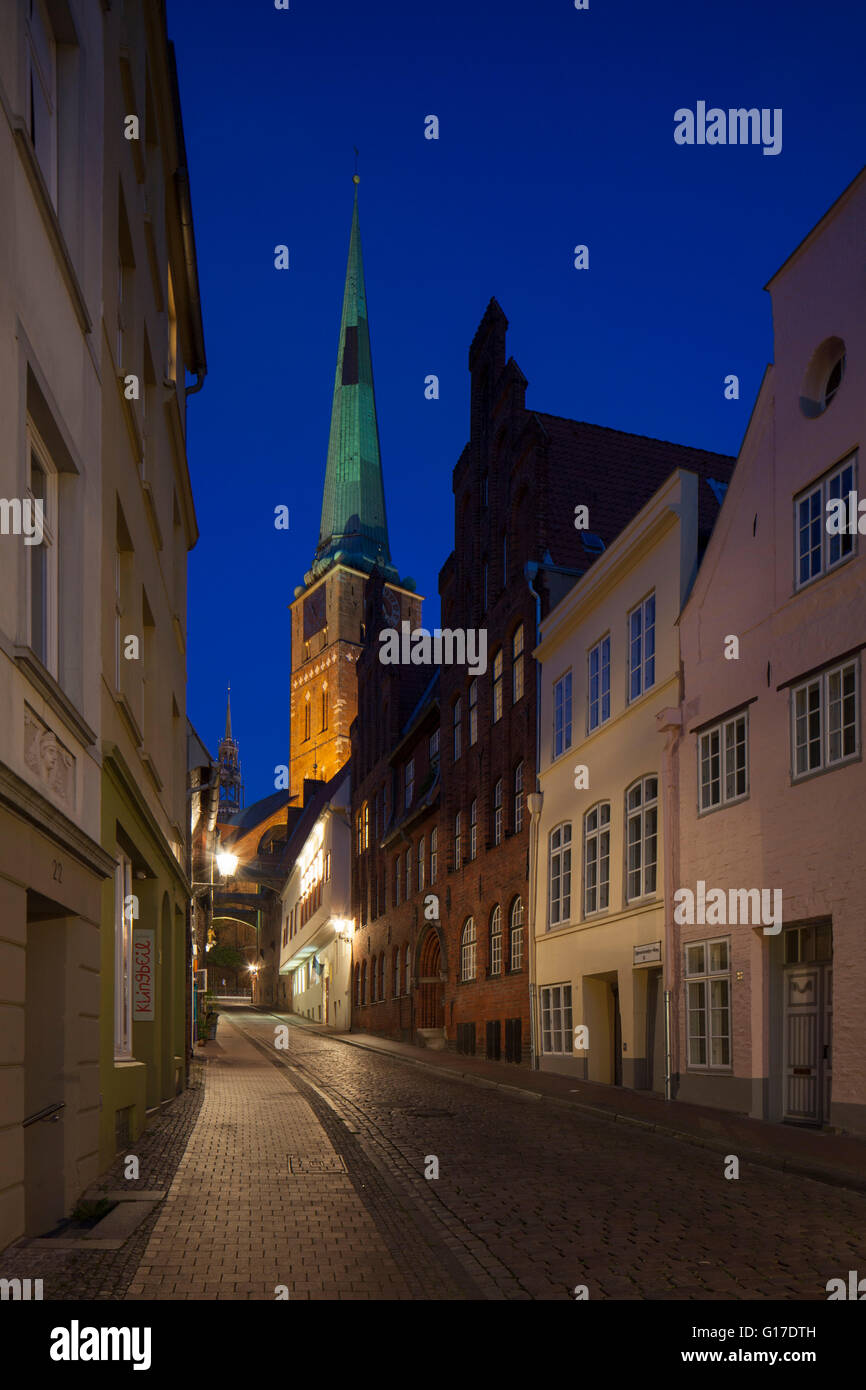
{"type": "Point", "coordinates": [496, 941]}
{"type": "Point", "coordinates": [408, 873]}
{"type": "Point", "coordinates": [409, 782]}
{"type": "Point", "coordinates": [467, 951]}
{"type": "Point", "coordinates": [434, 853]}
{"type": "Point", "coordinates": [723, 763]}
{"type": "Point", "coordinates": [473, 712]}
{"type": "Point", "coordinates": [421, 864]}
{"type": "Point", "coordinates": [41, 92]}
{"type": "Point", "coordinates": [473, 829]}
{"type": "Point", "coordinates": [517, 666]}
{"type": "Point", "coordinates": [434, 747]}
{"type": "Point", "coordinates": [560, 875]}
{"type": "Point", "coordinates": [825, 711]}
{"type": "Point", "coordinates": [497, 813]}
{"type": "Point", "coordinates": [596, 858]}
{"type": "Point", "coordinates": [557, 1033]}
{"type": "Point", "coordinates": [642, 647]}
{"type": "Point", "coordinates": [562, 715]}
{"type": "Point", "coordinates": [708, 1003]}
{"type": "Point", "coordinates": [397, 881]}
{"type": "Point", "coordinates": [457, 842]}
{"type": "Point", "coordinates": [518, 797]}
{"type": "Point", "coordinates": [598, 686]}
{"type": "Point", "coordinates": [817, 550]}
{"type": "Point", "coordinates": [43, 587]}
{"type": "Point", "coordinates": [407, 983]}
{"type": "Point", "coordinates": [642, 837]}
{"type": "Point", "coordinates": [497, 686]}
{"type": "Point", "coordinates": [515, 955]}
{"type": "Point", "coordinates": [458, 728]}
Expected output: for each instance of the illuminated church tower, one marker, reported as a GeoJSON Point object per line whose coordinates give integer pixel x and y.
{"type": "Point", "coordinates": [328, 608]}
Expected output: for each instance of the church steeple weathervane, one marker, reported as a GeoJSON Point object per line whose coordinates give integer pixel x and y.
{"type": "Point", "coordinates": [354, 527]}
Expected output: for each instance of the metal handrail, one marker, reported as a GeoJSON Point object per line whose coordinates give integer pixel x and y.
{"type": "Point", "coordinates": [46, 1113]}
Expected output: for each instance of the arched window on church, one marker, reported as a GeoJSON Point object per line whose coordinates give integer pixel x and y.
{"type": "Point", "coordinates": [324, 707]}
{"type": "Point", "coordinates": [307, 718]}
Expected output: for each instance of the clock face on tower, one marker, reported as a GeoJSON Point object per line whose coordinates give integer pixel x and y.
{"type": "Point", "coordinates": [391, 608]}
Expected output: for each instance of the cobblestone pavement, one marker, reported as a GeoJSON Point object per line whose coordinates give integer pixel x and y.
{"type": "Point", "coordinates": [532, 1198]}
{"type": "Point", "coordinates": [543, 1199]}
{"type": "Point", "coordinates": [106, 1274]}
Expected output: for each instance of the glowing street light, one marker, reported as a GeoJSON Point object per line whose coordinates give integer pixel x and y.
{"type": "Point", "coordinates": [226, 863]}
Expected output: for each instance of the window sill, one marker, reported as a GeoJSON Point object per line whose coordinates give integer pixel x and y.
{"type": "Point", "coordinates": [41, 678]}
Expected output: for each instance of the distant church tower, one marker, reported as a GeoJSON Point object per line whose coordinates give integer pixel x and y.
{"type": "Point", "coordinates": [328, 608]}
{"type": "Point", "coordinates": [231, 786]}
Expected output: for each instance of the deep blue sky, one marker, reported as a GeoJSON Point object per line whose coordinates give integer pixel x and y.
{"type": "Point", "coordinates": [556, 128]}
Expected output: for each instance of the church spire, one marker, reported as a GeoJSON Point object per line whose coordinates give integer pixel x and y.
{"type": "Point", "coordinates": [229, 713]}
{"type": "Point", "coordinates": [354, 527]}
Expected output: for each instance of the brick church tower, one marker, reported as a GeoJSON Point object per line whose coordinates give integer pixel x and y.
{"type": "Point", "coordinates": [328, 609]}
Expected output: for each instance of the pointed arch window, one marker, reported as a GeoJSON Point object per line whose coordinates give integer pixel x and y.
{"type": "Point", "coordinates": [307, 718]}
{"type": "Point", "coordinates": [324, 708]}
{"type": "Point", "coordinates": [515, 952]}
{"type": "Point", "coordinates": [496, 941]}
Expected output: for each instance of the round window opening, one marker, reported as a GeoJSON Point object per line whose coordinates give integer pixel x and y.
{"type": "Point", "coordinates": [824, 376]}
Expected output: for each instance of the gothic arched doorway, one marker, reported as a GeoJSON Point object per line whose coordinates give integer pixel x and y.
{"type": "Point", "coordinates": [430, 1010]}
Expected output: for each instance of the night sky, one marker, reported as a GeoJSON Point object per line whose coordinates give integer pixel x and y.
{"type": "Point", "coordinates": [556, 128]}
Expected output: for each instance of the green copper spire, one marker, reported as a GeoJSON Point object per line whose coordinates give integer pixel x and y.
{"type": "Point", "coordinates": [354, 527]}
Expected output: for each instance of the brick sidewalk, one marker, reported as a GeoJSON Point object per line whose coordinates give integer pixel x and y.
{"type": "Point", "coordinates": [236, 1223]}
{"type": "Point", "coordinates": [839, 1159]}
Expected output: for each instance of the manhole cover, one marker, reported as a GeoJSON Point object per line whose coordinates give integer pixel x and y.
{"type": "Point", "coordinates": [332, 1163]}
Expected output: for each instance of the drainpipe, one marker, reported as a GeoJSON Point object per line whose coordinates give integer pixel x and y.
{"type": "Point", "coordinates": [534, 802]}
{"type": "Point", "coordinates": [670, 721]}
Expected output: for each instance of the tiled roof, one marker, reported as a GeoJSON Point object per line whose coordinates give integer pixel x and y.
{"type": "Point", "coordinates": [641, 463]}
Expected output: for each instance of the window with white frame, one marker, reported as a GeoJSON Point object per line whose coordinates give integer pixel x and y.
{"type": "Point", "coordinates": [557, 1033]}
{"type": "Point", "coordinates": [497, 686]}
{"type": "Point", "coordinates": [518, 797]}
{"type": "Point", "coordinates": [517, 665]}
{"type": "Point", "coordinates": [457, 717]}
{"type": "Point", "coordinates": [496, 941]}
{"type": "Point", "coordinates": [458, 848]}
{"type": "Point", "coordinates": [497, 812]}
{"type": "Point", "coordinates": [817, 549]}
{"type": "Point", "coordinates": [642, 647]}
{"type": "Point", "coordinates": [123, 927]}
{"type": "Point", "coordinates": [562, 715]}
{"type": "Point", "coordinates": [473, 829]}
{"type": "Point", "coordinates": [723, 762]}
{"type": "Point", "coordinates": [421, 864]}
{"type": "Point", "coordinates": [43, 592]}
{"type": "Point", "coordinates": [409, 783]}
{"type": "Point", "coordinates": [559, 878]}
{"type": "Point", "coordinates": [708, 1002]}
{"type": "Point", "coordinates": [433, 747]}
{"type": "Point", "coordinates": [642, 837]}
{"type": "Point", "coordinates": [473, 712]}
{"type": "Point", "coordinates": [515, 952]}
{"type": "Point", "coordinates": [434, 853]}
{"type": "Point", "coordinates": [596, 858]}
{"type": "Point", "coordinates": [41, 93]}
{"type": "Point", "coordinates": [826, 722]}
{"type": "Point", "coordinates": [598, 685]}
{"type": "Point", "coordinates": [468, 950]}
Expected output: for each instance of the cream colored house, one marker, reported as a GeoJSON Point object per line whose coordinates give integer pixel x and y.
{"type": "Point", "coordinates": [316, 938]}
{"type": "Point", "coordinates": [52, 867]}
{"type": "Point", "coordinates": [609, 662]}
{"type": "Point", "coordinates": [97, 286]}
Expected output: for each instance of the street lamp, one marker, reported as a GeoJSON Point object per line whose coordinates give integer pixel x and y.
{"type": "Point", "coordinates": [344, 927]}
{"type": "Point", "coordinates": [226, 863]}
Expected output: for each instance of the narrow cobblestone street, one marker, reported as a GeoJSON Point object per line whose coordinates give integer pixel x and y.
{"type": "Point", "coordinates": [302, 1174]}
